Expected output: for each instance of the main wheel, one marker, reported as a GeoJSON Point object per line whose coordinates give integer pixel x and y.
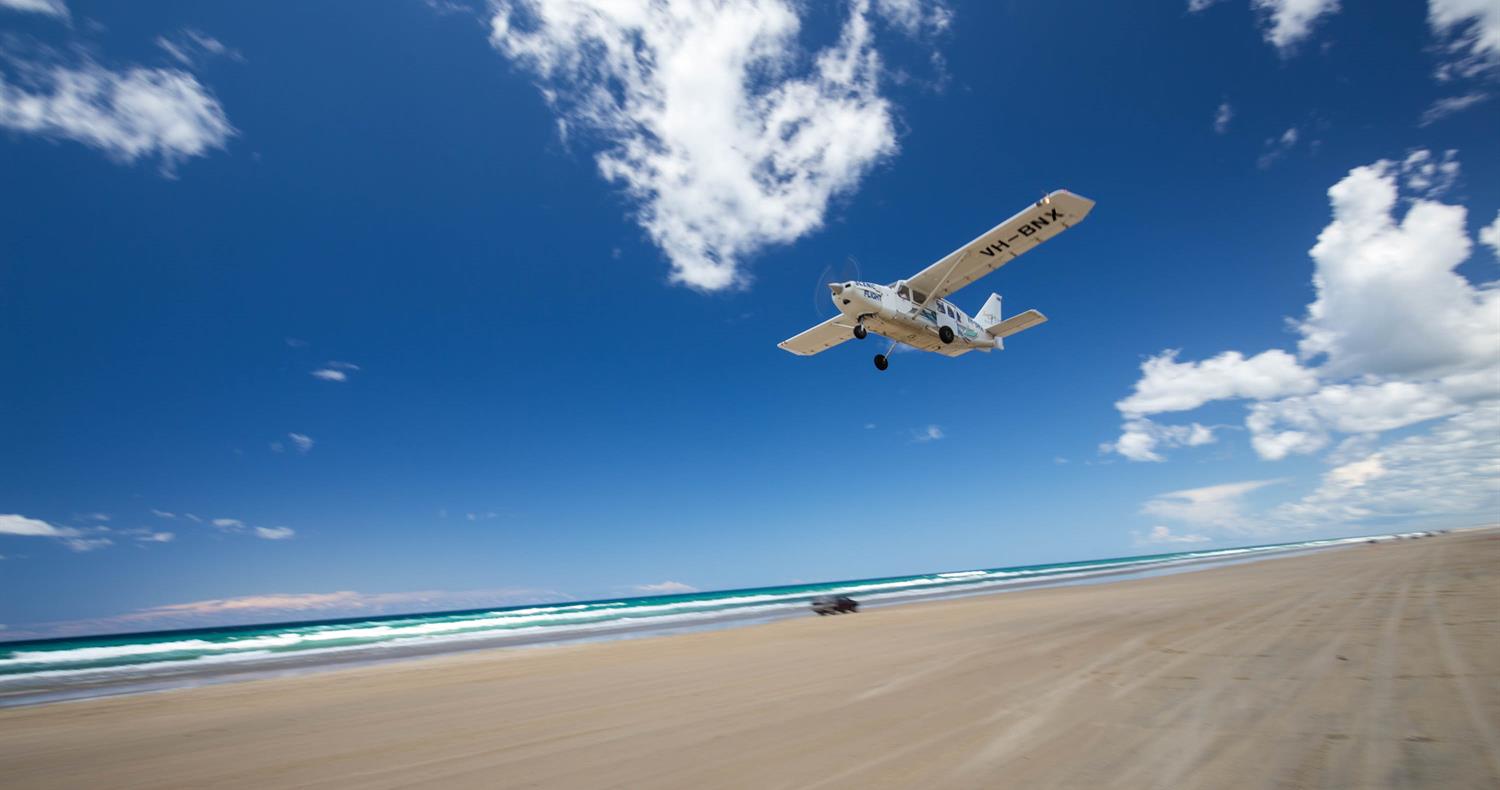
{"type": "Point", "coordinates": [860, 331]}
{"type": "Point", "coordinates": [881, 362]}
{"type": "Point", "coordinates": [945, 334]}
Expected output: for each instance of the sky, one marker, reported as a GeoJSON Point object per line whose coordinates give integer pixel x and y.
{"type": "Point", "coordinates": [315, 310]}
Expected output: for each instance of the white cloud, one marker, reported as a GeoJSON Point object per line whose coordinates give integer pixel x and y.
{"type": "Point", "coordinates": [665, 588]}
{"type": "Point", "coordinates": [12, 524]}
{"type": "Point", "coordinates": [1218, 506]}
{"type": "Point", "coordinates": [1222, 117]}
{"type": "Point", "coordinates": [1442, 108]}
{"type": "Point", "coordinates": [151, 536]}
{"type": "Point", "coordinates": [131, 114]}
{"type": "Point", "coordinates": [1141, 438]}
{"type": "Point", "coordinates": [1194, 6]}
{"type": "Point", "coordinates": [1287, 22]}
{"type": "Point", "coordinates": [338, 365]}
{"type": "Point", "coordinates": [269, 606]}
{"type": "Point", "coordinates": [328, 374]}
{"type": "Point", "coordinates": [1470, 32]}
{"type": "Point", "coordinates": [1163, 534]}
{"type": "Point", "coordinates": [1277, 147]}
{"type": "Point", "coordinates": [729, 139]}
{"type": "Point", "coordinates": [228, 524]}
{"type": "Point", "coordinates": [55, 8]}
{"type": "Point", "coordinates": [1490, 235]}
{"type": "Point", "coordinates": [1167, 385]}
{"type": "Point", "coordinates": [162, 513]}
{"type": "Point", "coordinates": [275, 533]}
{"type": "Point", "coordinates": [87, 544]}
{"type": "Point", "coordinates": [931, 433]}
{"type": "Point", "coordinates": [303, 442]}
{"type": "Point", "coordinates": [1395, 340]}
{"type": "Point", "coordinates": [1389, 301]}
{"type": "Point", "coordinates": [190, 46]}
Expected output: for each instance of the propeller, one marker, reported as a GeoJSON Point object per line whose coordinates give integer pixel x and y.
{"type": "Point", "coordinates": [831, 276]}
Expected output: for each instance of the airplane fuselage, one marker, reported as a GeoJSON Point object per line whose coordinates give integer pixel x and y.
{"type": "Point", "coordinates": [897, 312]}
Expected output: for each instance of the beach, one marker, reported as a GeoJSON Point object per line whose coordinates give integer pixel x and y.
{"type": "Point", "coordinates": [1362, 666]}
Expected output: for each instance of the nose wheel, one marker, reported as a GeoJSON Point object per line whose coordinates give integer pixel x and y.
{"type": "Point", "coordinates": [881, 363]}
{"type": "Point", "coordinates": [860, 332]}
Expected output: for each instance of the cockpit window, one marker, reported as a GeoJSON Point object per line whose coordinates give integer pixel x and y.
{"type": "Point", "coordinates": [903, 291]}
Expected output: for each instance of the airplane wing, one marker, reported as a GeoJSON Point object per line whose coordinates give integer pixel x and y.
{"type": "Point", "coordinates": [820, 338]}
{"type": "Point", "coordinates": [1002, 244]}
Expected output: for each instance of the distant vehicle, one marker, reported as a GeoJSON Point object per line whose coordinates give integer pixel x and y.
{"type": "Point", "coordinates": [914, 311]}
{"type": "Point", "coordinates": [834, 604]}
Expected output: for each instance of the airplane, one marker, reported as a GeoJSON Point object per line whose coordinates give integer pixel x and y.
{"type": "Point", "coordinates": [915, 311]}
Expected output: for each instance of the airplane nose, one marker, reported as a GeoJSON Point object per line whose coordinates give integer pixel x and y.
{"type": "Point", "coordinates": [837, 288]}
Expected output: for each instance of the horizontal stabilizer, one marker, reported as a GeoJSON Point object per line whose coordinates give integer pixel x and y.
{"type": "Point", "coordinates": [1016, 323]}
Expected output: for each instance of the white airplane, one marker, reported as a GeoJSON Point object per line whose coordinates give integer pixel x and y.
{"type": "Point", "coordinates": [914, 312]}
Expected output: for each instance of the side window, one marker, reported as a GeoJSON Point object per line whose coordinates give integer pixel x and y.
{"type": "Point", "coordinates": [903, 292]}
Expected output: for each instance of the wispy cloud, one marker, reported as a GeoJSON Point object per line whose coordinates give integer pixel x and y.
{"type": "Point", "coordinates": [275, 533]}
{"type": "Point", "coordinates": [665, 588]}
{"type": "Point", "coordinates": [189, 47]}
{"type": "Point", "coordinates": [1161, 534]}
{"type": "Point", "coordinates": [1452, 105]}
{"type": "Point", "coordinates": [130, 114]}
{"type": "Point", "coordinates": [55, 8]}
{"type": "Point", "coordinates": [1222, 117]}
{"type": "Point", "coordinates": [328, 374]}
{"type": "Point", "coordinates": [14, 524]}
{"type": "Point", "coordinates": [931, 433]}
{"type": "Point", "coordinates": [301, 441]}
{"type": "Point", "coordinates": [162, 513]}
{"type": "Point", "coordinates": [274, 606]}
{"type": "Point", "coordinates": [228, 524]}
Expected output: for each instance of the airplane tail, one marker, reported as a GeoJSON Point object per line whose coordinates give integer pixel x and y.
{"type": "Point", "coordinates": [990, 318]}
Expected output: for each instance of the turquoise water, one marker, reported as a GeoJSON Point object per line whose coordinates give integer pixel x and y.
{"type": "Point", "coordinates": [102, 659]}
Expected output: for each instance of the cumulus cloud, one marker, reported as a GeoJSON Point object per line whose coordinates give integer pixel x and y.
{"type": "Point", "coordinates": [1394, 340]}
{"type": "Point", "coordinates": [728, 136]}
{"type": "Point", "coordinates": [1469, 32]}
{"type": "Point", "coordinates": [275, 533]}
{"type": "Point", "coordinates": [130, 114]}
{"type": "Point", "coordinates": [665, 588]}
{"type": "Point", "coordinates": [55, 8]}
{"type": "Point", "coordinates": [1167, 385]}
{"type": "Point", "coordinates": [1141, 438]}
{"type": "Point", "coordinates": [1288, 22]}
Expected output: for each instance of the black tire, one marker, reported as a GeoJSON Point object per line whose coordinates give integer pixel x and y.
{"type": "Point", "coordinates": [945, 334]}
{"type": "Point", "coordinates": [860, 332]}
{"type": "Point", "coordinates": [881, 363]}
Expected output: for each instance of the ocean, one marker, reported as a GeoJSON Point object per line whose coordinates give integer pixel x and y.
{"type": "Point", "coordinates": [57, 669]}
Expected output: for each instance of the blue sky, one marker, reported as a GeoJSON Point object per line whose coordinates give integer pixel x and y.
{"type": "Point", "coordinates": [438, 305]}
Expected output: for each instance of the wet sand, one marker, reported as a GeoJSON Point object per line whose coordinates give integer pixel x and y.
{"type": "Point", "coordinates": [1369, 666]}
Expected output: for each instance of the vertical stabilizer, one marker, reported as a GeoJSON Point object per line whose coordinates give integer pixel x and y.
{"type": "Point", "coordinates": [990, 313]}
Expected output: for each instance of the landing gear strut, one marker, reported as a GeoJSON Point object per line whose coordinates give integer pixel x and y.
{"type": "Point", "coordinates": [881, 363]}
{"type": "Point", "coordinates": [945, 334]}
{"type": "Point", "coordinates": [860, 331]}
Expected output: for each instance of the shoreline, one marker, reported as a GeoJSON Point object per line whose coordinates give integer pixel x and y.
{"type": "Point", "coordinates": [1376, 666]}
{"type": "Point", "coordinates": [31, 690]}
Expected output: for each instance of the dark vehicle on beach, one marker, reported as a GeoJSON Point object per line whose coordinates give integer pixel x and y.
{"type": "Point", "coordinates": [834, 604]}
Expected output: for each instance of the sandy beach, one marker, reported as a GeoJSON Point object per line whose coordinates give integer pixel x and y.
{"type": "Point", "coordinates": [1367, 666]}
